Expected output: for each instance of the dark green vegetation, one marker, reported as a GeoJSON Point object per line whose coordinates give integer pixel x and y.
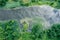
{"type": "Point", "coordinates": [3, 2]}
{"type": "Point", "coordinates": [54, 32]}
{"type": "Point", "coordinates": [10, 30]}
{"type": "Point", "coordinates": [19, 3]}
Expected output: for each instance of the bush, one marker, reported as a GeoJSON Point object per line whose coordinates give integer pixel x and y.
{"type": "Point", "coordinates": [25, 2]}
{"type": "Point", "coordinates": [36, 31]}
{"type": "Point", "coordinates": [3, 3]}
{"type": "Point", "coordinates": [54, 32]}
{"type": "Point", "coordinates": [9, 30]}
{"type": "Point", "coordinates": [15, 0]}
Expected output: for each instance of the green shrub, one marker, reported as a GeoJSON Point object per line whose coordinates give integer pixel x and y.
{"type": "Point", "coordinates": [38, 33]}
{"type": "Point", "coordinates": [9, 30]}
{"type": "Point", "coordinates": [25, 2]}
{"type": "Point", "coordinates": [3, 3]}
{"type": "Point", "coordinates": [15, 0]}
{"type": "Point", "coordinates": [54, 32]}
{"type": "Point", "coordinates": [36, 30]}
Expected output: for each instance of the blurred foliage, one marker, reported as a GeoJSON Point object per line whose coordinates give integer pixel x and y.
{"type": "Point", "coordinates": [37, 32]}
{"type": "Point", "coordinates": [3, 2]}
{"type": "Point", "coordinates": [10, 30]}
{"type": "Point", "coordinates": [19, 3]}
{"type": "Point", "coordinates": [54, 32]}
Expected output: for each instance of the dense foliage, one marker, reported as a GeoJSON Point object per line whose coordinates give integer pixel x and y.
{"type": "Point", "coordinates": [10, 30]}
{"type": "Point", "coordinates": [54, 32]}
{"type": "Point", "coordinates": [3, 2]}
{"type": "Point", "coordinates": [19, 3]}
